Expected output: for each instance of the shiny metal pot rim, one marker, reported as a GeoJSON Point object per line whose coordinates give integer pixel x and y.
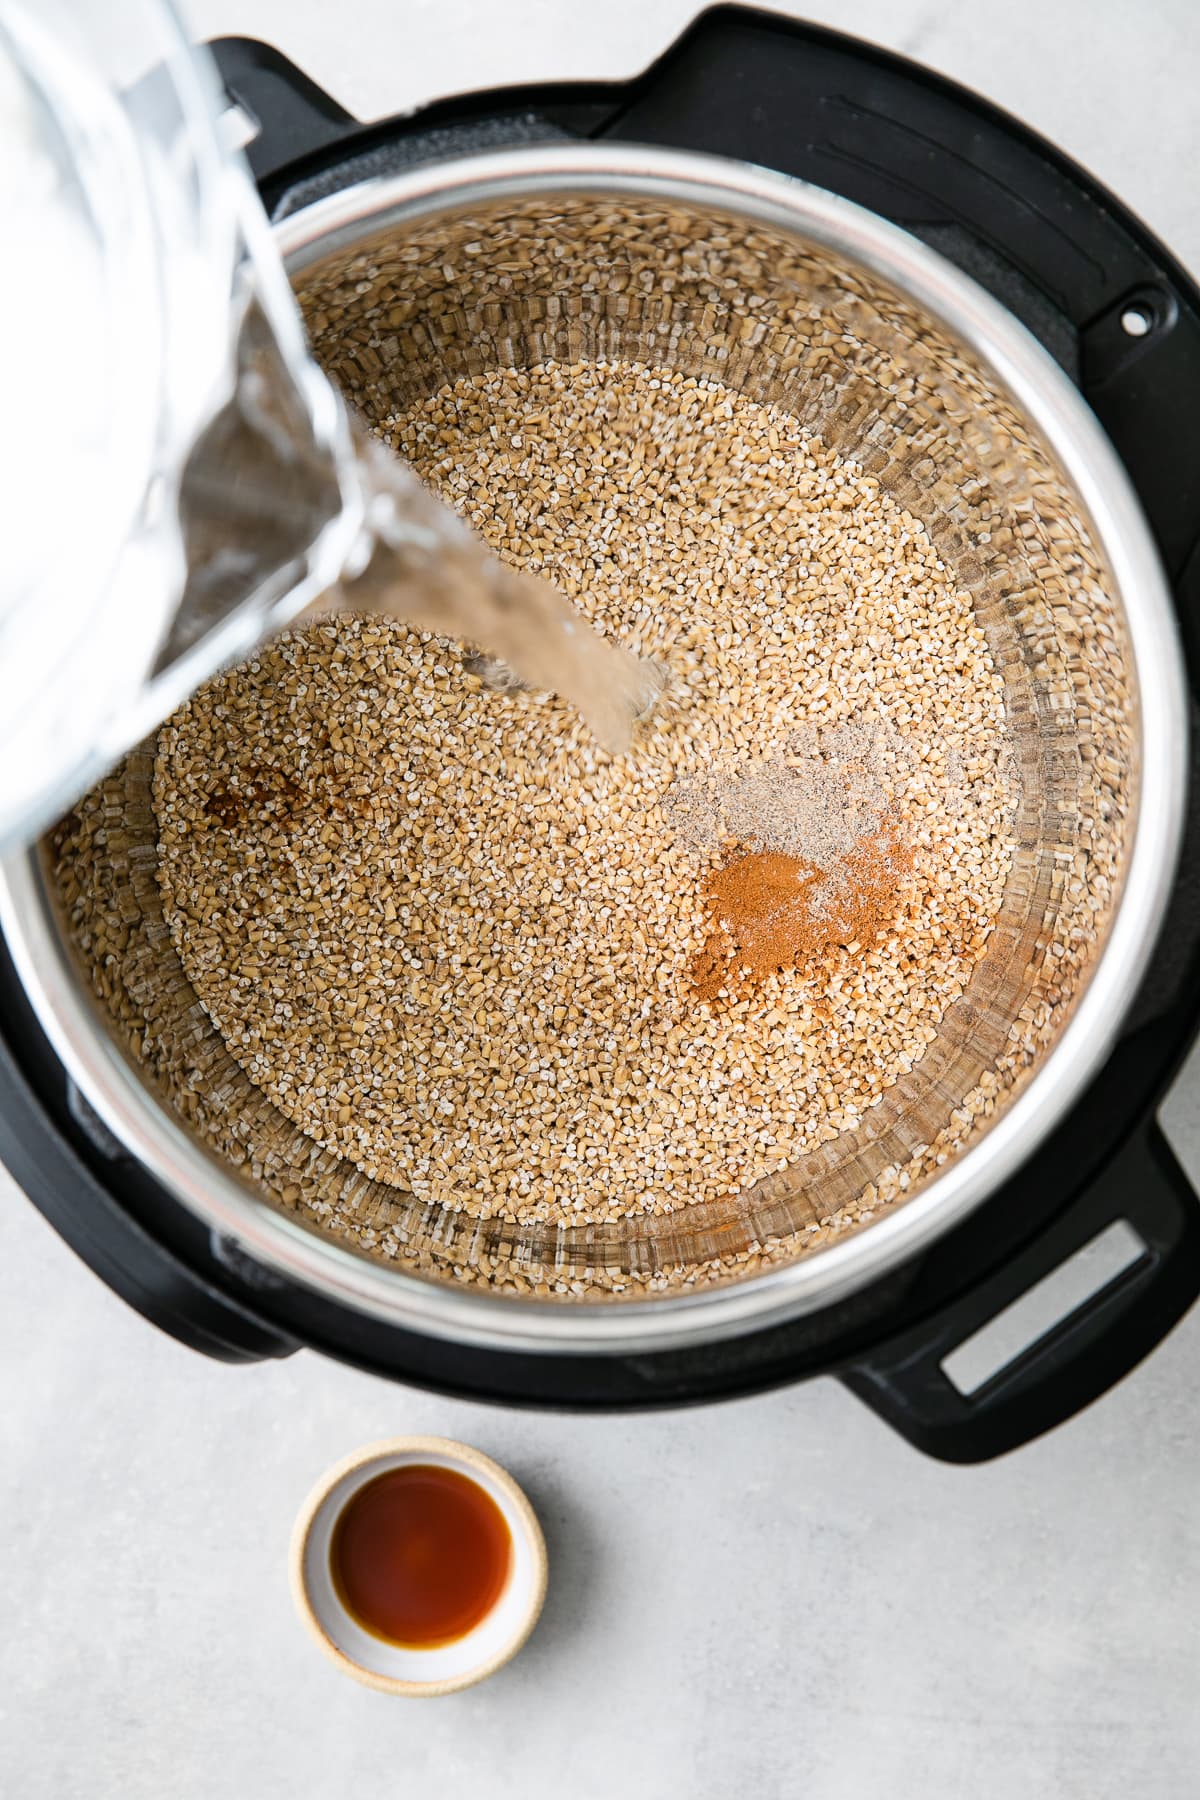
{"type": "Point", "coordinates": [215, 1194]}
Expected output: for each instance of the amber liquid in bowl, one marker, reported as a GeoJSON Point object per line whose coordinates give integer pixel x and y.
{"type": "Point", "coordinates": [420, 1555]}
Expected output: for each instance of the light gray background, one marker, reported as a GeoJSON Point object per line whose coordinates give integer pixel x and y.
{"type": "Point", "coordinates": [775, 1597]}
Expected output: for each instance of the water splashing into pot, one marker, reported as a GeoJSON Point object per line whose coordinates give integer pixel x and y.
{"type": "Point", "coordinates": [261, 491]}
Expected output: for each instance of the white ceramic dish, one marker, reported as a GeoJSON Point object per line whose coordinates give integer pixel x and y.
{"type": "Point", "coordinates": [393, 1668]}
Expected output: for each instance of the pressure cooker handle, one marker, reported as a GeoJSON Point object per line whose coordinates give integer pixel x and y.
{"type": "Point", "coordinates": [1080, 1356]}
{"type": "Point", "coordinates": [304, 145]}
{"type": "Point", "coordinates": [289, 115]}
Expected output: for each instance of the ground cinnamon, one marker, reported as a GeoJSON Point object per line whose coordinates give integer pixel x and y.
{"type": "Point", "coordinates": [770, 912]}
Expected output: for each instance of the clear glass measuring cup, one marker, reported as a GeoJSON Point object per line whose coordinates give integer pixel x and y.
{"type": "Point", "coordinates": [150, 340]}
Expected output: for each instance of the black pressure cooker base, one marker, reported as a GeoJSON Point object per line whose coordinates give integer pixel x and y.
{"type": "Point", "coordinates": [1071, 263]}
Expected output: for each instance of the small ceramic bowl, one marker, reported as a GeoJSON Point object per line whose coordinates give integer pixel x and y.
{"type": "Point", "coordinates": [392, 1668]}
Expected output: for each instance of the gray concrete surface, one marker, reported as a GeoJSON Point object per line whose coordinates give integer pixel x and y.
{"type": "Point", "coordinates": [774, 1598]}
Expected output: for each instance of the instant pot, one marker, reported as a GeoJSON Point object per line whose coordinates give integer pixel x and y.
{"type": "Point", "coordinates": [1122, 322]}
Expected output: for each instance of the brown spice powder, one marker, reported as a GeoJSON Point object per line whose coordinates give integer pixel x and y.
{"type": "Point", "coordinates": [771, 912]}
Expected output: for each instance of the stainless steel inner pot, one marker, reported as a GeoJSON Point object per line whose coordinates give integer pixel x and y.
{"type": "Point", "coordinates": [799, 298]}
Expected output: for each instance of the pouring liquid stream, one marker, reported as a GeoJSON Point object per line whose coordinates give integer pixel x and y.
{"type": "Point", "coordinates": [261, 492]}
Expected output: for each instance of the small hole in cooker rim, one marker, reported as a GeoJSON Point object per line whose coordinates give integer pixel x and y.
{"type": "Point", "coordinates": [1137, 321]}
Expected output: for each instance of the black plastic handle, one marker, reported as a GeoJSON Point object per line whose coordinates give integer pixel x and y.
{"type": "Point", "coordinates": [1080, 1357]}
{"type": "Point", "coordinates": [292, 116]}
{"type": "Point", "coordinates": [47, 1136]}
{"type": "Point", "coordinates": [307, 146]}
{"type": "Point", "coordinates": [106, 1237]}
